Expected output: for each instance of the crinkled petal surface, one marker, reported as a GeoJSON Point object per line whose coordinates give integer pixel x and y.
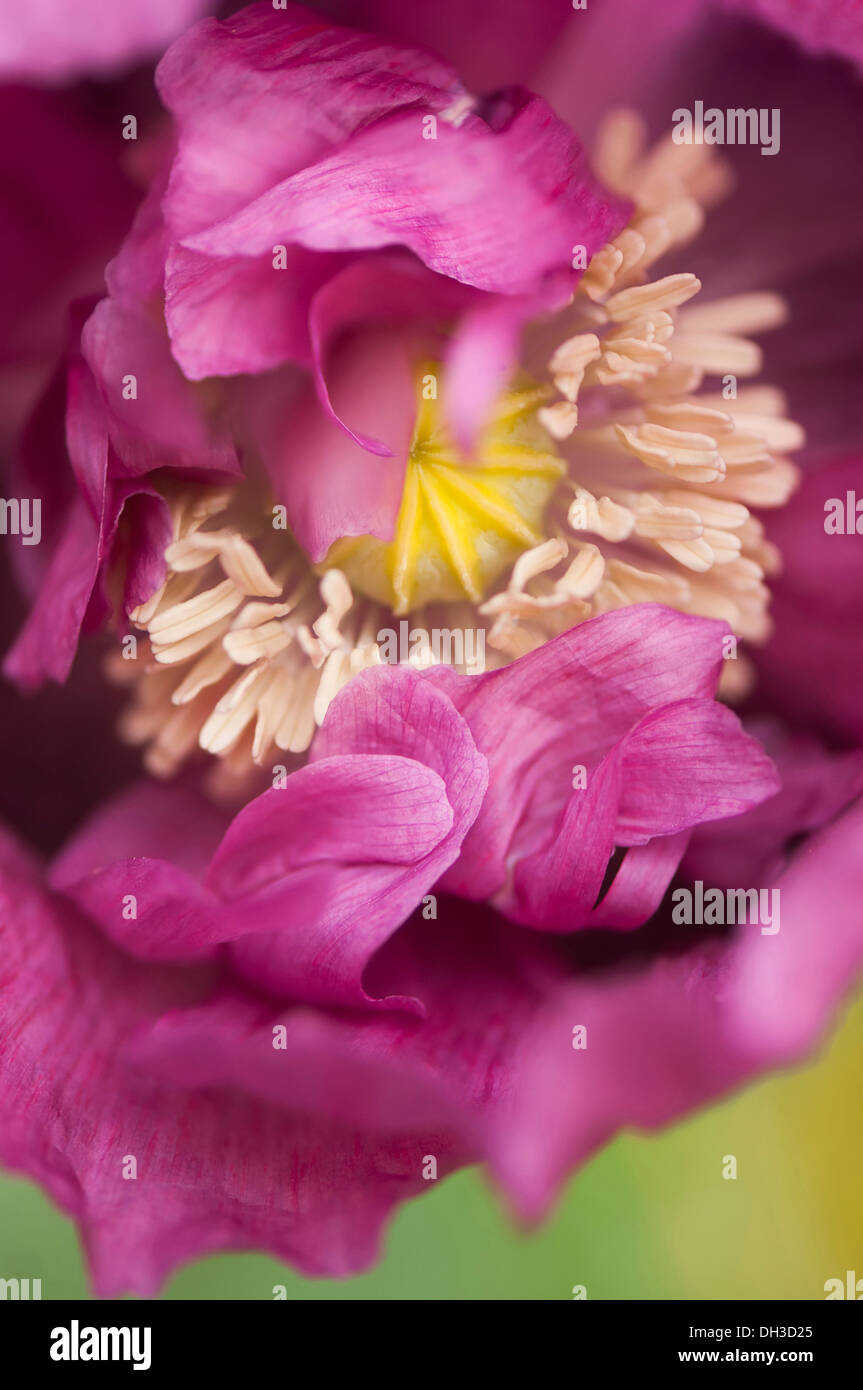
{"type": "Point", "coordinates": [267, 92]}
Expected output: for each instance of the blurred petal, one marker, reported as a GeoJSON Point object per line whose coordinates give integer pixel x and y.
{"type": "Point", "coordinates": [148, 820]}
{"type": "Point", "coordinates": [357, 896]}
{"type": "Point", "coordinates": [753, 848]}
{"type": "Point", "coordinates": [491, 45]}
{"type": "Point", "coordinates": [812, 668]}
{"type": "Point", "coordinates": [819, 26]}
{"type": "Point", "coordinates": [45, 648]}
{"type": "Point", "coordinates": [350, 490]}
{"type": "Point", "coordinates": [46, 41]}
{"type": "Point", "coordinates": [785, 988]}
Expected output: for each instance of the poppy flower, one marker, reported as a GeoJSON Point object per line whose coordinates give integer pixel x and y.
{"type": "Point", "coordinates": [422, 478]}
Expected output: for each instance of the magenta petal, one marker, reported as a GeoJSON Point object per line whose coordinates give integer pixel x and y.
{"type": "Point", "coordinates": [817, 785]}
{"type": "Point", "coordinates": [556, 887]}
{"type": "Point", "coordinates": [346, 1067]}
{"type": "Point", "coordinates": [379, 868]}
{"type": "Point", "coordinates": [17, 859]}
{"type": "Point", "coordinates": [388, 289]}
{"type": "Point", "coordinates": [786, 986]}
{"type": "Point", "coordinates": [70, 597]}
{"type": "Point", "coordinates": [317, 875]}
{"type": "Point", "coordinates": [680, 765]}
{"type": "Point", "coordinates": [164, 423]}
{"type": "Point", "coordinates": [87, 436]}
{"type": "Point", "coordinates": [46, 646]}
{"type": "Point", "coordinates": [394, 711]}
{"type": "Point", "coordinates": [41, 40]}
{"type": "Point", "coordinates": [136, 275]}
{"type": "Point", "coordinates": [819, 26]}
{"type": "Point", "coordinates": [491, 45]}
{"type": "Point", "coordinates": [62, 144]}
{"type": "Point", "coordinates": [152, 909]}
{"type": "Point", "coordinates": [269, 91]}
{"type": "Point", "coordinates": [387, 186]}
{"type": "Point", "coordinates": [479, 361]}
{"type": "Point", "coordinates": [640, 883]}
{"type": "Point", "coordinates": [654, 1050]}
{"type": "Point", "coordinates": [618, 54]}
{"type": "Point", "coordinates": [350, 491]}
{"type": "Point", "coordinates": [150, 820]}
{"type": "Point", "coordinates": [687, 763]}
{"type": "Point", "coordinates": [216, 1170]}
{"type": "Point", "coordinates": [364, 810]}
{"type": "Point", "coordinates": [135, 868]}
{"type": "Point", "coordinates": [812, 668]}
{"type": "Point", "coordinates": [141, 550]}
{"type": "Point", "coordinates": [502, 1005]}
{"type": "Point", "coordinates": [237, 314]}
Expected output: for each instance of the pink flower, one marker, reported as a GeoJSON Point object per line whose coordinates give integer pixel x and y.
{"type": "Point", "coordinates": [382, 351]}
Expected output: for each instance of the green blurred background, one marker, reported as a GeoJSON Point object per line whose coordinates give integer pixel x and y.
{"type": "Point", "coordinates": [650, 1217]}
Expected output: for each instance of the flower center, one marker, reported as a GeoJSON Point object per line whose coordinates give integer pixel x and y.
{"type": "Point", "coordinates": [462, 521]}
{"type": "Point", "coordinates": [646, 495]}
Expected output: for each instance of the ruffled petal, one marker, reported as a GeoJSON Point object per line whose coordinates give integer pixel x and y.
{"type": "Point", "coordinates": [346, 1067]}
{"type": "Point", "coordinates": [381, 866]}
{"type": "Point", "coordinates": [262, 95]}
{"type": "Point", "coordinates": [384, 289]}
{"type": "Point", "coordinates": [40, 41]}
{"type": "Point", "coordinates": [566, 705]}
{"type": "Point", "coordinates": [240, 314]}
{"type": "Point", "coordinates": [319, 874]}
{"type": "Point", "coordinates": [71, 596]}
{"type": "Point", "coordinates": [386, 185]}
{"type": "Point", "coordinates": [690, 762]}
